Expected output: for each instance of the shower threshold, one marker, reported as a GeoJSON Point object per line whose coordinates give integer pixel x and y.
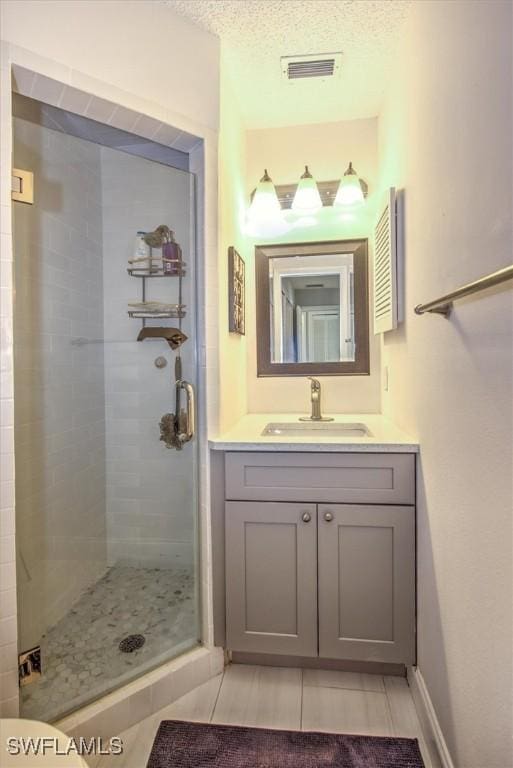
{"type": "Point", "coordinates": [81, 657]}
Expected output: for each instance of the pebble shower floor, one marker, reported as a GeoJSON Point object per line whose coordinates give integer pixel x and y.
{"type": "Point", "coordinates": [80, 654]}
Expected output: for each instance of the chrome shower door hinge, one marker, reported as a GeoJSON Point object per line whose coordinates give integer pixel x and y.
{"type": "Point", "coordinates": [29, 665]}
{"type": "Point", "coordinates": [22, 186]}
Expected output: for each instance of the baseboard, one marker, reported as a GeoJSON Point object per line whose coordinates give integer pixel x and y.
{"type": "Point", "coordinates": [314, 662]}
{"type": "Point", "coordinates": [428, 719]}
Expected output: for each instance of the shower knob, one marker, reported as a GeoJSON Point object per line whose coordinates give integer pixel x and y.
{"type": "Point", "coordinates": [328, 516]}
{"type": "Point", "coordinates": [306, 517]}
{"type": "Point", "coordinates": [160, 362]}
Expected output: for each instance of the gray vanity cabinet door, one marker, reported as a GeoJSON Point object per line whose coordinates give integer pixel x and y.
{"type": "Point", "coordinates": [367, 582]}
{"type": "Point", "coordinates": [271, 577]}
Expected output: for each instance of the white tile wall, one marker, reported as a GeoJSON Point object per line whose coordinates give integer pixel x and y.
{"type": "Point", "coordinates": [151, 491]}
{"type": "Point", "coordinates": [203, 163]}
{"type": "Point", "coordinates": [71, 256]}
{"type": "Point", "coordinates": [8, 628]}
{"type": "Point", "coordinates": [130, 104]}
{"type": "Point", "coordinates": [59, 405]}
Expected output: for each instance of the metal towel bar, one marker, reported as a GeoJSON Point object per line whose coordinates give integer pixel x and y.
{"type": "Point", "coordinates": [443, 305]}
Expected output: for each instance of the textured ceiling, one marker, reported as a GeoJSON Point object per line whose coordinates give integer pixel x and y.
{"type": "Point", "coordinates": [256, 33]}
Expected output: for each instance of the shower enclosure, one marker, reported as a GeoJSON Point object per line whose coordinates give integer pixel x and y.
{"type": "Point", "coordinates": [106, 514]}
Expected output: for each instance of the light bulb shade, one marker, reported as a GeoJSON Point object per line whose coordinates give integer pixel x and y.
{"type": "Point", "coordinates": [265, 200]}
{"type": "Point", "coordinates": [307, 199]}
{"type": "Point", "coordinates": [349, 190]}
{"type": "Point", "coordinates": [265, 217]}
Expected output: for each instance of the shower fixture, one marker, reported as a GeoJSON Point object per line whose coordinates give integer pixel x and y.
{"type": "Point", "coordinates": [176, 428]}
{"type": "Point", "coordinates": [174, 336]}
{"type": "Point", "coordinates": [179, 427]}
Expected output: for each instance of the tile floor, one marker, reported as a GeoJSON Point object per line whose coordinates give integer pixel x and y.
{"type": "Point", "coordinates": [270, 697]}
{"type": "Point", "coordinates": [81, 657]}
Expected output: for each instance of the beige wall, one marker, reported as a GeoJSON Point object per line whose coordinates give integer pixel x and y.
{"type": "Point", "coordinates": [327, 149]}
{"type": "Point", "coordinates": [141, 47]}
{"type": "Point", "coordinates": [232, 203]}
{"type": "Point", "coordinates": [446, 137]}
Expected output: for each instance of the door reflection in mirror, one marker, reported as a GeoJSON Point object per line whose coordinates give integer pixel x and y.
{"type": "Point", "coordinates": [312, 308]}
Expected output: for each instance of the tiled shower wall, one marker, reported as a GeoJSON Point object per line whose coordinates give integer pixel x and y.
{"type": "Point", "coordinates": [8, 629]}
{"type": "Point", "coordinates": [70, 88]}
{"type": "Point", "coordinates": [59, 405]}
{"type": "Point", "coordinates": [98, 487]}
{"type": "Point", "coordinates": [151, 490]}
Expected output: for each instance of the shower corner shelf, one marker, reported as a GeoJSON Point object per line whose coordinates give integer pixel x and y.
{"type": "Point", "coordinates": [178, 312]}
{"type": "Point", "coordinates": [139, 272]}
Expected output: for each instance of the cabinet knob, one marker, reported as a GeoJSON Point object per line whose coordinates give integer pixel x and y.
{"type": "Point", "coordinates": [306, 517]}
{"type": "Point", "coordinates": [328, 516]}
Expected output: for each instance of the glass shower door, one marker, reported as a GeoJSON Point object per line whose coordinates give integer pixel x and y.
{"type": "Point", "coordinates": [106, 513]}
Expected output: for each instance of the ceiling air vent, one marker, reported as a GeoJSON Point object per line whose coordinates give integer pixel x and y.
{"type": "Point", "coordinates": [321, 65]}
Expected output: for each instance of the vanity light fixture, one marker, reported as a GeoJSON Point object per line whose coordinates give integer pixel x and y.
{"type": "Point", "coordinates": [265, 217]}
{"type": "Point", "coordinates": [307, 199]}
{"type": "Point", "coordinates": [350, 190]}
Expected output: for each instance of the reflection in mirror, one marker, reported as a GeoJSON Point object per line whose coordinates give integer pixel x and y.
{"type": "Point", "coordinates": [311, 306]}
{"type": "Point", "coordinates": [312, 310]}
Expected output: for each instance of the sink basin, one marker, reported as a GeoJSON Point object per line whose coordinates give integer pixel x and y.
{"type": "Point", "coordinates": [316, 429]}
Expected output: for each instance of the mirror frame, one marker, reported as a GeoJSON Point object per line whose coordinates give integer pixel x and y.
{"type": "Point", "coordinates": [360, 366]}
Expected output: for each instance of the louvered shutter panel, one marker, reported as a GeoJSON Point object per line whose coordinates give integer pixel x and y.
{"type": "Point", "coordinates": [385, 267]}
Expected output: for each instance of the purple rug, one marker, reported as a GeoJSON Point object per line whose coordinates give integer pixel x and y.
{"type": "Point", "coordinates": [200, 745]}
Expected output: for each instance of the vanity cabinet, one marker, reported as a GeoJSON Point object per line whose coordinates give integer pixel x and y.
{"type": "Point", "coordinates": [366, 562]}
{"type": "Point", "coordinates": [271, 577]}
{"type": "Point", "coordinates": [353, 478]}
{"type": "Point", "coordinates": [320, 555]}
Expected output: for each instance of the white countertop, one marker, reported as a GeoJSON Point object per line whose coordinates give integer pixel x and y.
{"type": "Point", "coordinates": [246, 435]}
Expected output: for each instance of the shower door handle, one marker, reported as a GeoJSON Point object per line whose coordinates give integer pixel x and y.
{"type": "Point", "coordinates": [190, 412]}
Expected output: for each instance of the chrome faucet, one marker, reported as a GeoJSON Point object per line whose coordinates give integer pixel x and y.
{"type": "Point", "coordinates": [315, 399]}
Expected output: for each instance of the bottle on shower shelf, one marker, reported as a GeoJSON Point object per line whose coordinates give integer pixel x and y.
{"type": "Point", "coordinates": [144, 259]}
{"type": "Point", "coordinates": [141, 248]}
{"type": "Point", "coordinates": [171, 256]}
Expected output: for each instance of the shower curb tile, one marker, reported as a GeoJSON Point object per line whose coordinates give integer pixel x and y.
{"type": "Point", "coordinates": [217, 662]}
{"type": "Point", "coordinates": [140, 703]}
{"type": "Point", "coordinates": [179, 682]}
{"type": "Point", "coordinates": [9, 707]}
{"type": "Point", "coordinates": [116, 712]}
{"type": "Point", "coordinates": [106, 723]}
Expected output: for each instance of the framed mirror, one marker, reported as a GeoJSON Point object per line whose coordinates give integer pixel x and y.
{"type": "Point", "coordinates": [312, 309]}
